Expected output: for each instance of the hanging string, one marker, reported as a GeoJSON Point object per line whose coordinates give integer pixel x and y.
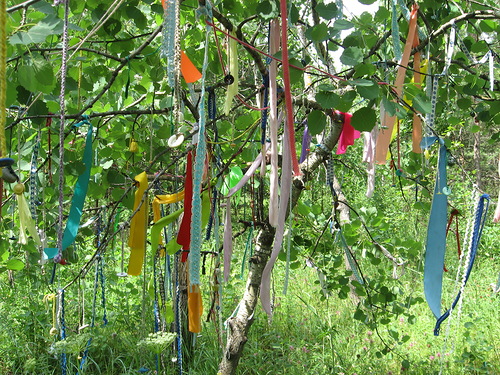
{"type": "Point", "coordinates": [178, 314]}
{"type": "Point", "coordinates": [62, 325]}
{"type": "Point", "coordinates": [62, 104]}
{"type": "Point", "coordinates": [3, 78]}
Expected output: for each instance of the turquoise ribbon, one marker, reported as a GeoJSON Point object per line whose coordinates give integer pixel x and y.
{"type": "Point", "coordinates": [80, 192]}
{"type": "Point", "coordinates": [436, 232]}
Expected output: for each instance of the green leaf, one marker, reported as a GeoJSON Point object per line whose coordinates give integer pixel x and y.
{"type": "Point", "coordinates": [316, 121]}
{"type": "Point", "coordinates": [364, 119]}
{"type": "Point", "coordinates": [138, 17]}
{"type": "Point", "coordinates": [50, 25]}
{"type": "Point", "coordinates": [342, 25]}
{"type": "Point", "coordinates": [367, 2]}
{"type": "Point", "coordinates": [422, 103]}
{"type": "Point", "coordinates": [267, 9]}
{"type": "Point", "coordinates": [317, 33]}
{"type": "Point", "coordinates": [14, 264]}
{"type": "Point", "coordinates": [351, 56]}
{"type": "Point", "coordinates": [327, 99]}
{"type": "Point", "coordinates": [27, 77]}
{"type": "Point", "coordinates": [327, 11]}
{"type": "Point", "coordinates": [44, 75]}
{"type": "Point", "coordinates": [366, 88]}
{"type": "Point", "coordinates": [44, 7]}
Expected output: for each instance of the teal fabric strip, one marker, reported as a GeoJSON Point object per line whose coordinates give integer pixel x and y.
{"type": "Point", "coordinates": [395, 33]}
{"type": "Point", "coordinates": [436, 232]}
{"type": "Point", "coordinates": [80, 192]}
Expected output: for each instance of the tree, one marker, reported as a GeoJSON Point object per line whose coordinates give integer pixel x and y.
{"type": "Point", "coordinates": [118, 64]}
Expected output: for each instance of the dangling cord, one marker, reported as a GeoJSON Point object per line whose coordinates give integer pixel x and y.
{"type": "Point", "coordinates": [3, 79]}
{"type": "Point", "coordinates": [454, 214]}
{"type": "Point", "coordinates": [156, 313]}
{"type": "Point", "coordinates": [48, 124]}
{"type": "Point", "coordinates": [263, 124]}
{"type": "Point", "coordinates": [178, 313]}
{"type": "Point", "coordinates": [62, 323]}
{"type": "Point", "coordinates": [62, 104]}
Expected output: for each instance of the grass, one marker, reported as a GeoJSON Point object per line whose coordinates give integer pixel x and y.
{"type": "Point", "coordinates": [309, 334]}
{"type": "Point", "coordinates": [314, 336]}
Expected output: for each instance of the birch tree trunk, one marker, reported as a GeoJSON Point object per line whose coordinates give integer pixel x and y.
{"type": "Point", "coordinates": [240, 324]}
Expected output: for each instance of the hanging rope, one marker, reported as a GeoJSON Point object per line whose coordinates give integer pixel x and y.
{"type": "Point", "coordinates": [3, 78]}
{"type": "Point", "coordinates": [62, 104]}
{"type": "Point", "coordinates": [62, 324]}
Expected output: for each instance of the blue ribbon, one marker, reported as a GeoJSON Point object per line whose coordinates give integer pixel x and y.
{"type": "Point", "coordinates": [80, 192]}
{"type": "Point", "coordinates": [436, 232]}
{"type": "Point", "coordinates": [481, 213]}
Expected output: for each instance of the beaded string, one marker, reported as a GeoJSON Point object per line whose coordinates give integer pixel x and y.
{"type": "Point", "coordinates": [466, 245]}
{"type": "Point", "coordinates": [62, 124]}
{"type": "Point", "coordinates": [62, 325]}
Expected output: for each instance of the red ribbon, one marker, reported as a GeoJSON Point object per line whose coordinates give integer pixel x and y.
{"type": "Point", "coordinates": [184, 235]}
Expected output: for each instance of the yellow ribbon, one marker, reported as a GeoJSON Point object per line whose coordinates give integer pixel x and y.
{"type": "Point", "coordinates": [47, 299]}
{"type": "Point", "coordinates": [138, 227]}
{"type": "Point", "coordinates": [232, 89]}
{"type": "Point", "coordinates": [165, 199]}
{"type": "Point", "coordinates": [25, 220]}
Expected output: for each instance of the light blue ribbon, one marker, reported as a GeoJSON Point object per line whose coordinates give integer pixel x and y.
{"type": "Point", "coordinates": [436, 232]}
{"type": "Point", "coordinates": [80, 192]}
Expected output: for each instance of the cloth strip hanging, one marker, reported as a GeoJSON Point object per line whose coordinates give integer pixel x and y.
{"type": "Point", "coordinates": [138, 226]}
{"type": "Point", "coordinates": [286, 182]}
{"type": "Point", "coordinates": [436, 232]}
{"type": "Point", "coordinates": [165, 199]}
{"type": "Point", "coordinates": [233, 74]}
{"type": "Point", "coordinates": [479, 220]}
{"type": "Point", "coordinates": [188, 70]}
{"type": "Point", "coordinates": [228, 233]}
{"type": "Point", "coordinates": [348, 134]}
{"type": "Point", "coordinates": [80, 191]}
{"type": "Point", "coordinates": [287, 88]}
{"type": "Point", "coordinates": [25, 219]}
{"type": "Point", "coordinates": [274, 44]}
{"type": "Point", "coordinates": [306, 143]}
{"type": "Point", "coordinates": [184, 235]}
{"type": "Point", "coordinates": [369, 158]}
{"type": "Point", "coordinates": [417, 79]}
{"type": "Point", "coordinates": [385, 134]}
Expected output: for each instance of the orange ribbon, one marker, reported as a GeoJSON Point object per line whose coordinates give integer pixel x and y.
{"type": "Point", "coordinates": [385, 134]}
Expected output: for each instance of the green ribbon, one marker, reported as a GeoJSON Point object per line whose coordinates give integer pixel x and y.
{"type": "Point", "coordinates": [80, 191]}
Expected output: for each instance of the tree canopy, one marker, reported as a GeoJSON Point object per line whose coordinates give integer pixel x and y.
{"type": "Point", "coordinates": [99, 92]}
